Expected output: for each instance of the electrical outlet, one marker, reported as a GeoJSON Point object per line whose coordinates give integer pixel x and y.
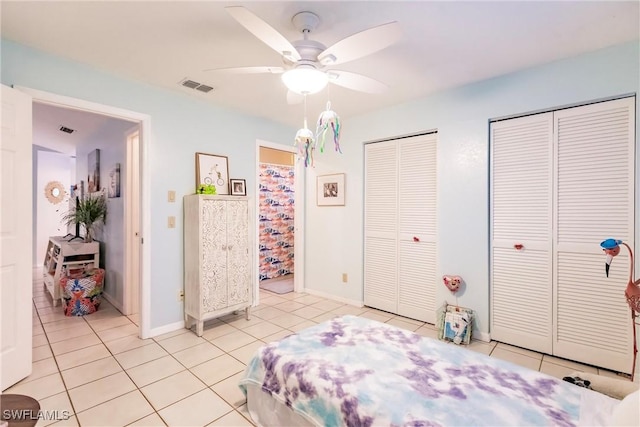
{"type": "Point", "coordinates": [180, 295]}
{"type": "Point", "coordinates": [344, 277]}
{"type": "Point", "coordinates": [172, 196]}
{"type": "Point", "coordinates": [171, 223]}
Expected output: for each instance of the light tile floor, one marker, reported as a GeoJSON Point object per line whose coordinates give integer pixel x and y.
{"type": "Point", "coordinates": [97, 369]}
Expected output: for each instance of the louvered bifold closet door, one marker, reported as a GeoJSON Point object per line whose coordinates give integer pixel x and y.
{"type": "Point", "coordinates": [380, 226]}
{"type": "Point", "coordinates": [417, 227]}
{"type": "Point", "coordinates": [521, 272]}
{"type": "Point", "coordinates": [595, 201]}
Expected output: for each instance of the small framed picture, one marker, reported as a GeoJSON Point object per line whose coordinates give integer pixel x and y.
{"type": "Point", "coordinates": [238, 187]}
{"type": "Point", "coordinates": [212, 169]}
{"type": "Point", "coordinates": [330, 191]}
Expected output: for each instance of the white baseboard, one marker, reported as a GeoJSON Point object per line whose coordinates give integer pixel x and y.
{"type": "Point", "coordinates": [166, 329]}
{"type": "Point", "coordinates": [333, 297]}
{"type": "Point", "coordinates": [113, 302]}
{"type": "Point", "coordinates": [482, 336]}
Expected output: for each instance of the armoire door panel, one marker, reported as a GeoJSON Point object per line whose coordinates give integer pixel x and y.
{"type": "Point", "coordinates": [417, 280]}
{"type": "Point", "coordinates": [238, 264]}
{"type": "Point", "coordinates": [214, 256]}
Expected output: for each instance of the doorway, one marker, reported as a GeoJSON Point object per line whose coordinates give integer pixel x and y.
{"type": "Point", "coordinates": [134, 218]}
{"type": "Point", "coordinates": [279, 204]}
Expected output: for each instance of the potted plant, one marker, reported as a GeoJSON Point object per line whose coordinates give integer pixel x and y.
{"type": "Point", "coordinates": [89, 213]}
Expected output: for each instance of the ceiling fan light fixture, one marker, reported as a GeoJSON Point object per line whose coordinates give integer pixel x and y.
{"type": "Point", "coordinates": [305, 80]}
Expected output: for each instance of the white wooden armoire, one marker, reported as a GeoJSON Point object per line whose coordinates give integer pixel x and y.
{"type": "Point", "coordinates": [562, 182]}
{"type": "Point", "coordinates": [217, 258]}
{"type": "Point", "coordinates": [400, 226]}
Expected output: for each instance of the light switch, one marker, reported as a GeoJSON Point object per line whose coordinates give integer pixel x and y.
{"type": "Point", "coordinates": [344, 278]}
{"type": "Point", "coordinates": [172, 196]}
{"type": "Point", "coordinates": [172, 222]}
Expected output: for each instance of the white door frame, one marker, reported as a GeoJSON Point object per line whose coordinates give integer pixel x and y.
{"type": "Point", "coordinates": [131, 289]}
{"type": "Point", "coordinates": [298, 220]}
{"type": "Point", "coordinates": [144, 123]}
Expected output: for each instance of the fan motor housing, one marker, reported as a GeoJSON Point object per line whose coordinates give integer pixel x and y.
{"type": "Point", "coordinates": [309, 49]}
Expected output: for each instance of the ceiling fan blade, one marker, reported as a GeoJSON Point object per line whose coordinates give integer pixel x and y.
{"type": "Point", "coordinates": [361, 44]}
{"type": "Point", "coordinates": [247, 70]}
{"type": "Point", "coordinates": [263, 31]}
{"type": "Point", "coordinates": [294, 98]}
{"type": "Point", "coordinates": [356, 81]}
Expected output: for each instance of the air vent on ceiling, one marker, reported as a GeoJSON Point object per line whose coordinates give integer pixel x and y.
{"type": "Point", "coordinates": [204, 88]}
{"type": "Point", "coordinates": [66, 129]}
{"type": "Point", "coordinates": [197, 86]}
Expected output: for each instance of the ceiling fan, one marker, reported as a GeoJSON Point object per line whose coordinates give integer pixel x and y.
{"type": "Point", "coordinates": [309, 59]}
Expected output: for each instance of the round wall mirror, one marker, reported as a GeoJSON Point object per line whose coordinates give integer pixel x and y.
{"type": "Point", "coordinates": [54, 192]}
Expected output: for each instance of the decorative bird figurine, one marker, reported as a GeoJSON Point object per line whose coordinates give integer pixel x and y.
{"type": "Point", "coordinates": [611, 247]}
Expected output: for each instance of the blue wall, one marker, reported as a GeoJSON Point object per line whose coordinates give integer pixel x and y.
{"type": "Point", "coordinates": [461, 116]}
{"type": "Point", "coordinates": [334, 236]}
{"type": "Point", "coordinates": [180, 126]}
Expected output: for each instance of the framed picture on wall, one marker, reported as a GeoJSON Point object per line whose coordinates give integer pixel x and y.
{"type": "Point", "coordinates": [212, 169]}
{"type": "Point", "coordinates": [238, 187]}
{"type": "Point", "coordinates": [93, 166]}
{"type": "Point", "coordinates": [114, 182]}
{"type": "Point", "coordinates": [330, 190]}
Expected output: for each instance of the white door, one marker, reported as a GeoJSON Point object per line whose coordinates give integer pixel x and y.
{"type": "Point", "coordinates": [132, 230]}
{"type": "Point", "coordinates": [521, 252]}
{"type": "Point", "coordinates": [15, 238]}
{"type": "Point", "coordinates": [381, 226]}
{"type": "Point", "coordinates": [417, 227]}
{"type": "Point", "coordinates": [594, 200]}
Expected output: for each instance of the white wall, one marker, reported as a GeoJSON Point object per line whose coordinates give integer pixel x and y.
{"type": "Point", "coordinates": [180, 127]}
{"type": "Point", "coordinates": [461, 116]}
{"type": "Point", "coordinates": [51, 166]}
{"type": "Point", "coordinates": [111, 141]}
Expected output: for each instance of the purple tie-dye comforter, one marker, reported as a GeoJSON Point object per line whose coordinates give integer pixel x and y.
{"type": "Point", "coordinates": [357, 372]}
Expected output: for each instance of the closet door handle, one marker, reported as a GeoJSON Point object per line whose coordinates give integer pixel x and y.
{"type": "Point", "coordinates": [224, 247]}
{"type": "Point", "coordinates": [518, 246]}
{"type": "Point", "coordinates": [229, 247]}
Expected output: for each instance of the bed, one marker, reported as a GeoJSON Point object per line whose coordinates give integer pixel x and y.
{"type": "Point", "coordinates": [354, 371]}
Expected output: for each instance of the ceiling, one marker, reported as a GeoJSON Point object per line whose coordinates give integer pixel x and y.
{"type": "Point", "coordinates": [47, 120]}
{"type": "Point", "coordinates": [445, 44]}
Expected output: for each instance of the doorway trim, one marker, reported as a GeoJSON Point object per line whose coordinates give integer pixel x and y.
{"type": "Point", "coordinates": [144, 216]}
{"type": "Point", "coordinates": [298, 220]}
{"type": "Point", "coordinates": [131, 291]}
